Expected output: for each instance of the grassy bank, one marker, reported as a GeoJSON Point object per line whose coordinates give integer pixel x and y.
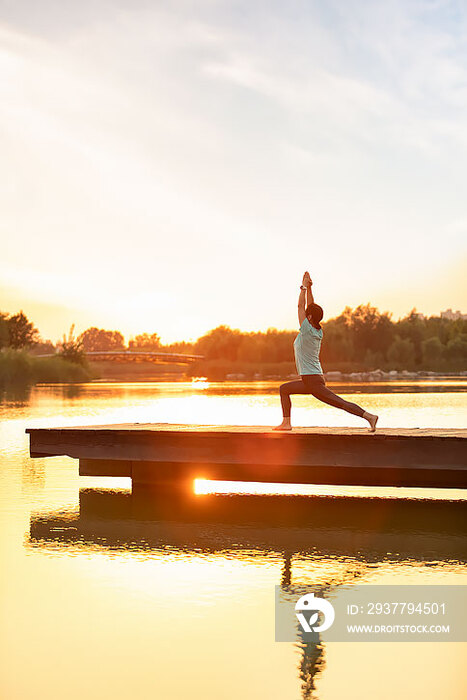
{"type": "Point", "coordinates": [19, 368]}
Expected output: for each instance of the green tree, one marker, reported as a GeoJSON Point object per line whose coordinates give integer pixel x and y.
{"type": "Point", "coordinates": [369, 329]}
{"type": "Point", "coordinates": [432, 352]}
{"type": "Point", "coordinates": [4, 333]}
{"type": "Point", "coordinates": [72, 350]}
{"type": "Point", "coordinates": [99, 340]}
{"type": "Point", "coordinates": [337, 342]}
{"type": "Point", "coordinates": [279, 345]}
{"type": "Point", "coordinates": [251, 348]}
{"type": "Point", "coordinates": [43, 347]}
{"type": "Point", "coordinates": [373, 360]}
{"type": "Point", "coordinates": [401, 353]}
{"type": "Point", "coordinates": [145, 343]}
{"type": "Point", "coordinates": [456, 352]}
{"type": "Point", "coordinates": [357, 334]}
{"type": "Point", "coordinates": [183, 347]}
{"type": "Point", "coordinates": [22, 333]}
{"type": "Point", "coordinates": [413, 328]}
{"type": "Point", "coordinates": [220, 343]}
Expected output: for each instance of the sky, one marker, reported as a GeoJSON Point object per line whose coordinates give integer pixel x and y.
{"type": "Point", "coordinates": [167, 167]}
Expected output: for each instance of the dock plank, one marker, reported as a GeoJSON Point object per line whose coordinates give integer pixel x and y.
{"type": "Point", "coordinates": [261, 429]}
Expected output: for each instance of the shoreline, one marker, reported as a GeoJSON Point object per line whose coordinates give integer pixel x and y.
{"type": "Point", "coordinates": [343, 377]}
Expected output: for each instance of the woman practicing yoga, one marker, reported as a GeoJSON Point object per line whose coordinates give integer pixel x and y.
{"type": "Point", "coordinates": [307, 345]}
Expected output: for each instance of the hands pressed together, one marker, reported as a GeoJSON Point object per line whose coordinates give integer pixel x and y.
{"type": "Point", "coordinates": [306, 282]}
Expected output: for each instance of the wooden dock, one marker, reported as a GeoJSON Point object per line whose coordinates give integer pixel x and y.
{"type": "Point", "coordinates": [152, 453]}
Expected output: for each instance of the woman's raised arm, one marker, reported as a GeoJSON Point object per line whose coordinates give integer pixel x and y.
{"type": "Point", "coordinates": [302, 299]}
{"type": "Point", "coordinates": [301, 307]}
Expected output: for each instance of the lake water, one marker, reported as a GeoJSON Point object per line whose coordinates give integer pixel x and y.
{"type": "Point", "coordinates": [112, 594]}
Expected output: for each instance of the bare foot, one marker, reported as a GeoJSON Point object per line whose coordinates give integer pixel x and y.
{"type": "Point", "coordinates": [372, 420]}
{"type": "Point", "coordinates": [285, 425]}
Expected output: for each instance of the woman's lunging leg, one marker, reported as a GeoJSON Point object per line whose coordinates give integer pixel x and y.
{"type": "Point", "coordinates": [314, 384]}
{"type": "Point", "coordinates": [295, 387]}
{"type": "Point", "coordinates": [318, 388]}
{"type": "Point", "coordinates": [327, 396]}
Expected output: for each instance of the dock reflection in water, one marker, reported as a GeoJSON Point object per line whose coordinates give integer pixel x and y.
{"type": "Point", "coordinates": [352, 535]}
{"type": "Point", "coordinates": [369, 529]}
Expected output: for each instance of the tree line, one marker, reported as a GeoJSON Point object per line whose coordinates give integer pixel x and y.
{"type": "Point", "coordinates": [360, 339]}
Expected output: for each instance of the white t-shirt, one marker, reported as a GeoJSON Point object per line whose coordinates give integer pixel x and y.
{"type": "Point", "coordinates": [307, 346]}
